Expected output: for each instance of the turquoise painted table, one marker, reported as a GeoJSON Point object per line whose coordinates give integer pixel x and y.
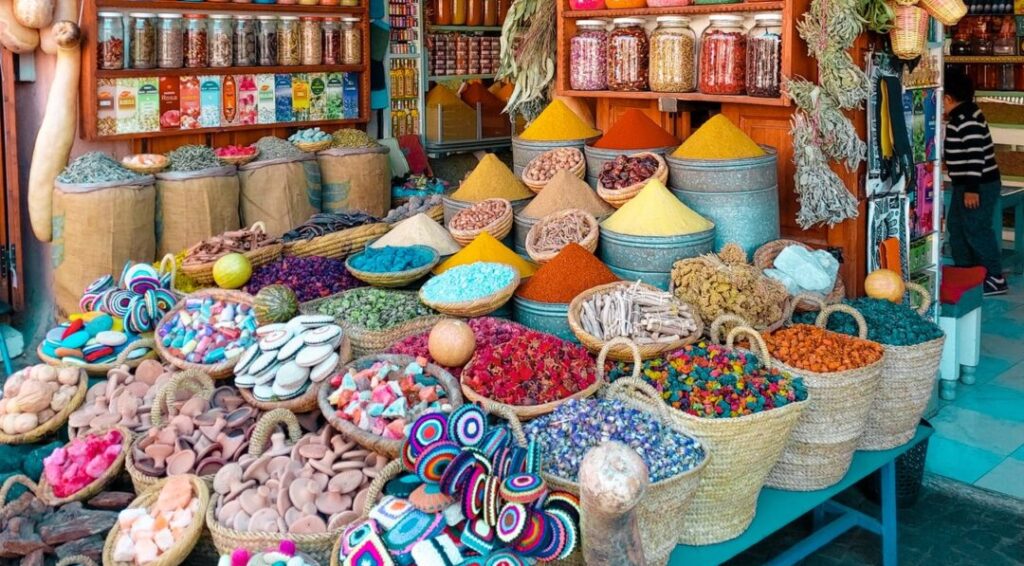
{"type": "Point", "coordinates": [777, 508]}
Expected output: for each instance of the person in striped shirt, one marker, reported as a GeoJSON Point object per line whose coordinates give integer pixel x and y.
{"type": "Point", "coordinates": [971, 163]}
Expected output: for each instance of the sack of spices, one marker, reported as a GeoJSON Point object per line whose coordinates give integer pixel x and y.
{"type": "Point", "coordinates": [194, 205]}
{"type": "Point", "coordinates": [281, 189]}
{"type": "Point", "coordinates": [356, 179]}
{"type": "Point", "coordinates": [103, 217]}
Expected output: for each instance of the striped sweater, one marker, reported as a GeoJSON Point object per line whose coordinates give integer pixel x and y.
{"type": "Point", "coordinates": [969, 153]}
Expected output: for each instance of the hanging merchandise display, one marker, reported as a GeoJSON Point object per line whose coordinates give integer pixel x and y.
{"type": "Point", "coordinates": [528, 55]}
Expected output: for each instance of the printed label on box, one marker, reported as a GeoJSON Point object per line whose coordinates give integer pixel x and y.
{"type": "Point", "coordinates": [106, 107]}
{"type": "Point", "coordinates": [266, 99]}
{"type": "Point", "coordinates": [170, 103]}
{"type": "Point", "coordinates": [317, 96]}
{"type": "Point", "coordinates": [248, 112]}
{"type": "Point", "coordinates": [300, 97]}
{"type": "Point", "coordinates": [335, 92]}
{"type": "Point", "coordinates": [127, 106]}
{"type": "Point", "coordinates": [149, 104]}
{"type": "Point", "coordinates": [350, 96]}
{"type": "Point", "coordinates": [209, 101]}
{"type": "Point", "coordinates": [229, 101]}
{"type": "Point", "coordinates": [283, 97]}
{"type": "Point", "coordinates": [190, 104]}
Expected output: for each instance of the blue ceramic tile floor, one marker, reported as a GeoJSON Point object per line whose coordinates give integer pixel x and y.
{"type": "Point", "coordinates": [979, 437]}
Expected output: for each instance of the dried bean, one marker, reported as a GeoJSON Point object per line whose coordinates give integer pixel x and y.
{"type": "Point", "coordinates": [544, 166]}
{"type": "Point", "coordinates": [479, 215]}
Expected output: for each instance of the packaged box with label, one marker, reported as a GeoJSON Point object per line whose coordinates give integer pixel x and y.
{"type": "Point", "coordinates": [189, 98]}
{"type": "Point", "coordinates": [283, 97]}
{"type": "Point", "coordinates": [228, 101]}
{"type": "Point", "coordinates": [266, 99]}
{"type": "Point", "coordinates": [317, 96]}
{"type": "Point", "coordinates": [127, 106]}
{"type": "Point", "coordinates": [335, 90]}
{"type": "Point", "coordinates": [106, 107]}
{"type": "Point", "coordinates": [149, 104]}
{"type": "Point", "coordinates": [170, 103]}
{"type": "Point", "coordinates": [350, 95]}
{"type": "Point", "coordinates": [248, 109]}
{"type": "Point", "coordinates": [300, 97]}
{"type": "Point", "coordinates": [209, 101]}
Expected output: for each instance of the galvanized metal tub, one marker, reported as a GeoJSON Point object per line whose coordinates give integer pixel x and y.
{"type": "Point", "coordinates": [724, 175]}
{"type": "Point", "coordinates": [652, 254]}
{"type": "Point", "coordinates": [597, 157]}
{"type": "Point", "coordinates": [552, 318]}
{"type": "Point", "coordinates": [659, 279]}
{"type": "Point", "coordinates": [520, 228]}
{"type": "Point", "coordinates": [525, 150]}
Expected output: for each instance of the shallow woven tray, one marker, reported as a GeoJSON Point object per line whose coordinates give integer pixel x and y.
{"type": "Point", "coordinates": [146, 169]}
{"type": "Point", "coordinates": [340, 244]}
{"type": "Point", "coordinates": [180, 551]}
{"type": "Point", "coordinates": [239, 160]}
{"type": "Point", "coordinates": [202, 273]}
{"type": "Point", "coordinates": [536, 185]}
{"type": "Point", "coordinates": [56, 422]}
{"type": "Point", "coordinates": [589, 242]}
{"type": "Point", "coordinates": [476, 307]}
{"type": "Point", "coordinates": [218, 370]}
{"type": "Point", "coordinates": [45, 491]}
{"type": "Point", "coordinates": [374, 442]}
{"type": "Point", "coordinates": [619, 197]}
{"type": "Point", "coordinates": [393, 278]}
{"type": "Point", "coordinates": [620, 352]}
{"type": "Point", "coordinates": [499, 227]}
{"type": "Point", "coordinates": [313, 147]}
{"type": "Point", "coordinates": [307, 401]}
{"type": "Point", "coordinates": [764, 258]}
{"type": "Point", "coordinates": [100, 370]}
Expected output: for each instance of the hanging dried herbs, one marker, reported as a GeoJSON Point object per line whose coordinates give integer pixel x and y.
{"type": "Point", "coordinates": [528, 56]}
{"type": "Point", "coordinates": [821, 131]}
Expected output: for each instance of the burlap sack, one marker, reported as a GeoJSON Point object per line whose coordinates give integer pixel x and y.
{"type": "Point", "coordinates": [192, 206]}
{"type": "Point", "coordinates": [281, 193]}
{"type": "Point", "coordinates": [356, 179]}
{"type": "Point", "coordinates": [96, 229]}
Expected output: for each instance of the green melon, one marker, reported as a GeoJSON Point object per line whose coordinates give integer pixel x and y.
{"type": "Point", "coordinates": [275, 303]}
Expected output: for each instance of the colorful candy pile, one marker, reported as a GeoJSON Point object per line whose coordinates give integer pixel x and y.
{"type": "Point", "coordinates": [471, 497]}
{"type": "Point", "coordinates": [382, 397]}
{"type": "Point", "coordinates": [310, 277]}
{"type": "Point", "coordinates": [530, 369]}
{"type": "Point", "coordinates": [141, 296]}
{"type": "Point", "coordinates": [70, 468]}
{"type": "Point", "coordinates": [808, 347]}
{"type": "Point", "coordinates": [567, 434]}
{"type": "Point", "coordinates": [289, 357]}
{"type": "Point", "coordinates": [92, 337]}
{"type": "Point", "coordinates": [392, 258]}
{"type": "Point", "coordinates": [468, 282]}
{"type": "Point", "coordinates": [208, 331]}
{"type": "Point", "coordinates": [285, 555]}
{"type": "Point", "coordinates": [36, 394]}
{"type": "Point", "coordinates": [888, 322]}
{"type": "Point", "coordinates": [712, 381]}
{"type": "Point", "coordinates": [146, 534]}
{"type": "Point", "coordinates": [488, 331]}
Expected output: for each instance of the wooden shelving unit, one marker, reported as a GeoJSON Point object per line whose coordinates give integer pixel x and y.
{"type": "Point", "coordinates": [567, 19]}
{"type": "Point", "coordinates": [985, 59]}
{"type": "Point", "coordinates": [464, 29]}
{"type": "Point", "coordinates": [91, 74]}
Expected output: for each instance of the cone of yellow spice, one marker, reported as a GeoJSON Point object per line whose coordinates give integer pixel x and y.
{"type": "Point", "coordinates": [486, 248]}
{"type": "Point", "coordinates": [655, 211]}
{"type": "Point", "coordinates": [718, 138]}
{"type": "Point", "coordinates": [491, 179]}
{"type": "Point", "coordinates": [558, 123]}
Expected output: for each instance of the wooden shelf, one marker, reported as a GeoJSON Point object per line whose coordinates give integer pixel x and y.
{"type": "Point", "coordinates": [203, 71]}
{"type": "Point", "coordinates": [165, 133]}
{"type": "Point", "coordinates": [958, 59]}
{"type": "Point", "coordinates": [437, 78]}
{"type": "Point", "coordinates": [431, 27]}
{"type": "Point", "coordinates": [677, 10]}
{"type": "Point", "coordinates": [180, 6]}
{"type": "Point", "coordinates": [684, 96]}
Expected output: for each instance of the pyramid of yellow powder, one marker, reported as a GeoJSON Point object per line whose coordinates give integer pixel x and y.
{"type": "Point", "coordinates": [718, 138]}
{"type": "Point", "coordinates": [655, 211]}
{"type": "Point", "coordinates": [558, 123]}
{"type": "Point", "coordinates": [491, 178]}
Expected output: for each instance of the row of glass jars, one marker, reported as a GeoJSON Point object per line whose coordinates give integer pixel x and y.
{"type": "Point", "coordinates": [728, 61]}
{"type": "Point", "coordinates": [171, 41]}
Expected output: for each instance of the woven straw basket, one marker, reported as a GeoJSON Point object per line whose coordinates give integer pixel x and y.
{"type": "Point", "coordinates": [619, 197]}
{"type": "Point", "coordinates": [375, 442]}
{"type": "Point", "coordinates": [46, 493]}
{"type": "Point", "coordinates": [908, 376]}
{"type": "Point", "coordinates": [313, 147]}
{"type": "Point", "coordinates": [366, 341]}
{"type": "Point", "coordinates": [764, 258]}
{"type": "Point", "coordinates": [55, 422]}
{"type": "Point", "coordinates": [306, 402]}
{"type": "Point", "coordinates": [197, 383]}
{"type": "Point", "coordinates": [393, 279]}
{"type": "Point", "coordinates": [202, 273]}
{"type": "Point", "coordinates": [227, 539]}
{"type": "Point", "coordinates": [391, 471]}
{"type": "Point", "coordinates": [821, 448]}
{"type": "Point", "coordinates": [437, 213]}
{"type": "Point", "coordinates": [910, 32]}
{"type": "Point", "coordinates": [499, 227]}
{"type": "Point", "coordinates": [100, 370]}
{"type": "Point", "coordinates": [476, 307]}
{"type": "Point", "coordinates": [743, 450]}
{"type": "Point", "coordinates": [947, 12]}
{"type": "Point", "coordinates": [219, 370]}
{"type": "Point", "coordinates": [340, 244]}
{"type": "Point", "coordinates": [527, 412]}
{"type": "Point", "coordinates": [536, 185]}
{"type": "Point", "coordinates": [589, 242]}
{"type": "Point", "coordinates": [619, 351]}
{"type": "Point", "coordinates": [180, 551]}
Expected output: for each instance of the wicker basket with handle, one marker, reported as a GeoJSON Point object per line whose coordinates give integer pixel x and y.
{"type": "Point", "coordinates": [909, 33]}
{"type": "Point", "coordinates": [95, 486]}
{"type": "Point", "coordinates": [55, 422]}
{"type": "Point", "coordinates": [202, 273]}
{"type": "Point", "coordinates": [764, 258]}
{"type": "Point", "coordinates": [219, 370]}
{"type": "Point", "coordinates": [947, 12]}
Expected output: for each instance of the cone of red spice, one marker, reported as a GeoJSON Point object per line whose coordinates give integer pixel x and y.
{"type": "Point", "coordinates": [634, 130]}
{"type": "Point", "coordinates": [568, 274]}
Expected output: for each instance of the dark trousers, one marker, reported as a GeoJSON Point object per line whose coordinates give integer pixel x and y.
{"type": "Point", "coordinates": [971, 237]}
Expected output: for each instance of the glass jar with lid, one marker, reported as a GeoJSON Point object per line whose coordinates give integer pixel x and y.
{"type": "Point", "coordinates": [588, 56]}
{"type": "Point", "coordinates": [628, 50]}
{"type": "Point", "coordinates": [764, 56]}
{"type": "Point", "coordinates": [351, 42]}
{"type": "Point", "coordinates": [222, 40]}
{"type": "Point", "coordinates": [723, 56]}
{"type": "Point", "coordinates": [332, 41]}
{"type": "Point", "coordinates": [111, 41]}
{"type": "Point", "coordinates": [443, 12]}
{"type": "Point", "coordinates": [312, 42]}
{"type": "Point", "coordinates": [673, 61]}
{"type": "Point", "coordinates": [266, 40]}
{"type": "Point", "coordinates": [245, 41]}
{"type": "Point", "coordinates": [1006, 42]}
{"type": "Point", "coordinates": [196, 50]}
{"type": "Point", "coordinates": [961, 44]}
{"type": "Point", "coordinates": [981, 40]}
{"type": "Point", "coordinates": [170, 54]}
{"type": "Point", "coordinates": [143, 40]}
{"type": "Point", "coordinates": [288, 40]}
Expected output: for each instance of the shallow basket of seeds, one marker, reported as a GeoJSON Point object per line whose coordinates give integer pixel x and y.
{"type": "Point", "coordinates": [493, 215]}
{"type": "Point", "coordinates": [543, 168]}
{"type": "Point", "coordinates": [552, 233]}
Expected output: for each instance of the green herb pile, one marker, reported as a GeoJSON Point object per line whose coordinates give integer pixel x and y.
{"type": "Point", "coordinates": [276, 148]}
{"type": "Point", "coordinates": [192, 158]}
{"type": "Point", "coordinates": [95, 167]}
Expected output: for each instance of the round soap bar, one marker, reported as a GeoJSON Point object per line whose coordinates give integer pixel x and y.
{"type": "Point", "coordinates": [76, 340]}
{"type": "Point", "coordinates": [111, 338]}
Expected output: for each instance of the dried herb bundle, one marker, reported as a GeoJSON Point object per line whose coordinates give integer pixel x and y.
{"type": "Point", "coordinates": [528, 55]}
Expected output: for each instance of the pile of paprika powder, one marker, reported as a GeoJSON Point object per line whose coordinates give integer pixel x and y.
{"type": "Point", "coordinates": [571, 272]}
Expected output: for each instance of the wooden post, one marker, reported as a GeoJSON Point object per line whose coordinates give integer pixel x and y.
{"type": "Point", "coordinates": [613, 479]}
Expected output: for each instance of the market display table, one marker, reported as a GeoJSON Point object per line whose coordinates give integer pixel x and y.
{"type": "Point", "coordinates": [777, 508]}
